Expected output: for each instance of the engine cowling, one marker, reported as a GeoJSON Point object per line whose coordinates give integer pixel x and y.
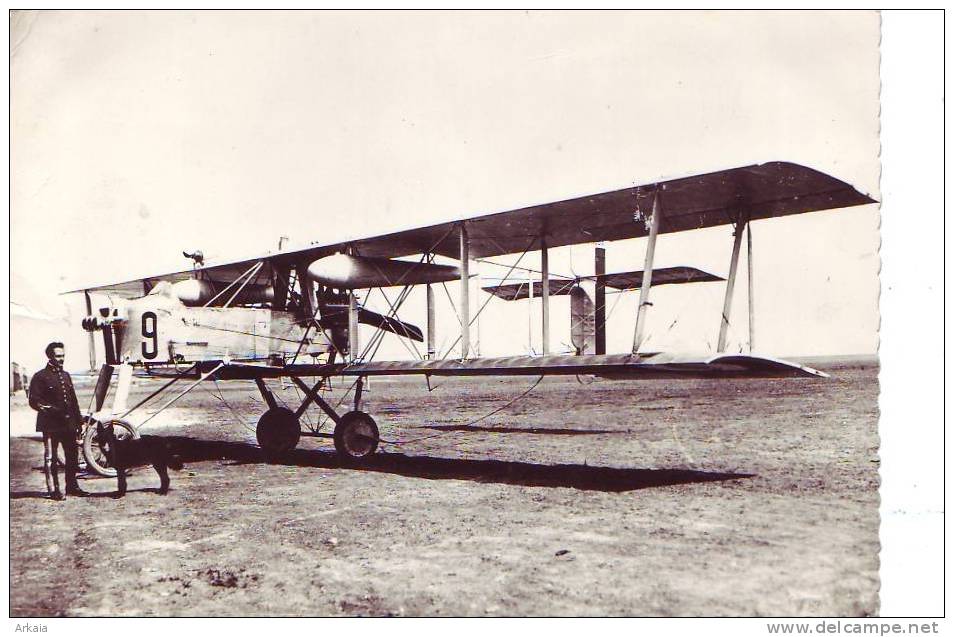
{"type": "Point", "coordinates": [349, 272]}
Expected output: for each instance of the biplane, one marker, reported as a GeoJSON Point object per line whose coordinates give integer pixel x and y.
{"type": "Point", "coordinates": [295, 313]}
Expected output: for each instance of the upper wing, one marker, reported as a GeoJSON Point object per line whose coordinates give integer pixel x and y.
{"type": "Point", "coordinates": [222, 274]}
{"type": "Point", "coordinates": [753, 192]}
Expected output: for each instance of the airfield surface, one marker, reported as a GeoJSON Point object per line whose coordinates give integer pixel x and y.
{"type": "Point", "coordinates": [680, 497]}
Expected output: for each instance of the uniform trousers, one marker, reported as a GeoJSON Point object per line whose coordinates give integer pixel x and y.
{"type": "Point", "coordinates": [66, 440]}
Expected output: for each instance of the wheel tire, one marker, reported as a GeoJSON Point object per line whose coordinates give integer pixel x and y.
{"type": "Point", "coordinates": [356, 436]}
{"type": "Point", "coordinates": [278, 432]}
{"type": "Point", "coordinates": [93, 452]}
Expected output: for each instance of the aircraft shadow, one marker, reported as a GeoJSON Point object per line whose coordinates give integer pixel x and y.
{"type": "Point", "coordinates": [43, 495]}
{"type": "Point", "coordinates": [575, 476]}
{"type": "Point", "coordinates": [25, 495]}
{"type": "Point", "coordinates": [549, 431]}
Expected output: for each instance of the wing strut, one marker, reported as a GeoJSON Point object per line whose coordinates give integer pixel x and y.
{"type": "Point", "coordinates": [431, 324]}
{"type": "Point", "coordinates": [92, 340]}
{"type": "Point", "coordinates": [748, 236]}
{"type": "Point", "coordinates": [600, 270]}
{"type": "Point", "coordinates": [464, 293]}
{"type": "Point", "coordinates": [730, 284]}
{"type": "Point", "coordinates": [530, 313]}
{"type": "Point", "coordinates": [647, 274]}
{"type": "Point", "coordinates": [307, 286]}
{"type": "Point", "coordinates": [545, 293]}
{"type": "Point", "coordinates": [353, 328]}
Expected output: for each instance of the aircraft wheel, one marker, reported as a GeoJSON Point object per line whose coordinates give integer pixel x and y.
{"type": "Point", "coordinates": [93, 451]}
{"type": "Point", "coordinates": [278, 431]}
{"type": "Point", "coordinates": [356, 436]}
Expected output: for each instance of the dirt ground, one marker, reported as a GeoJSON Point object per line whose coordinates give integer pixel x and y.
{"type": "Point", "coordinates": [659, 498]}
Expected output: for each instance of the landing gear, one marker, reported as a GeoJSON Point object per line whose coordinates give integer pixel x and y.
{"type": "Point", "coordinates": [278, 431]}
{"type": "Point", "coordinates": [356, 435]}
{"type": "Point", "coordinates": [93, 451]}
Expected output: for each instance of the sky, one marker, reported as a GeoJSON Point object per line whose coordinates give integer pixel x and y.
{"type": "Point", "coordinates": [137, 135]}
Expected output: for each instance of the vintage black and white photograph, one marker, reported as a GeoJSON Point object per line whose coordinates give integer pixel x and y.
{"type": "Point", "coordinates": [444, 314]}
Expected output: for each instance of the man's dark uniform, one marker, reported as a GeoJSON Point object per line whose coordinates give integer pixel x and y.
{"type": "Point", "coordinates": [59, 422]}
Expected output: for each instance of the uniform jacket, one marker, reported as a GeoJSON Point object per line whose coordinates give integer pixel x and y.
{"type": "Point", "coordinates": [53, 387]}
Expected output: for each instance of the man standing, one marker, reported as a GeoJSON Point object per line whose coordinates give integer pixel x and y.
{"type": "Point", "coordinates": [58, 418]}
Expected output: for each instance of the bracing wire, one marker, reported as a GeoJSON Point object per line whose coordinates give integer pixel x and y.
{"type": "Point", "coordinates": [472, 422]}
{"type": "Point", "coordinates": [484, 305]}
{"type": "Point", "coordinates": [221, 398]}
